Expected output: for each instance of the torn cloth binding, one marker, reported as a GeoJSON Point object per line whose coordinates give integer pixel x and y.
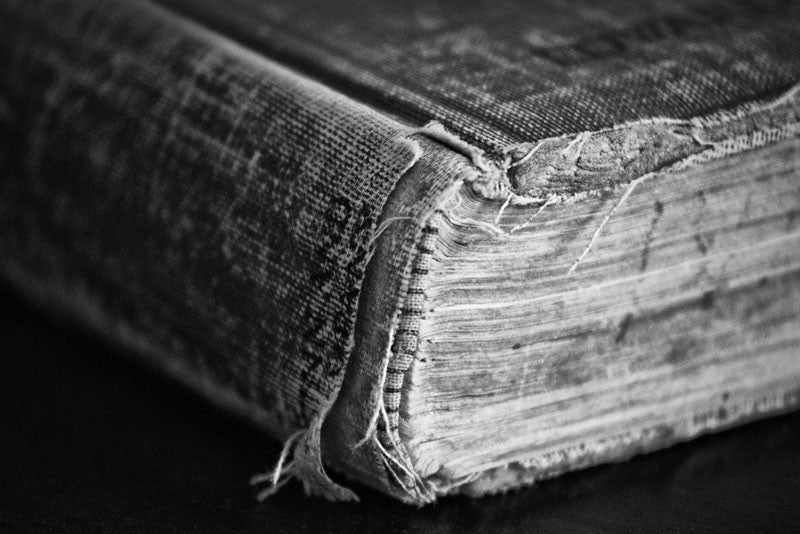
{"type": "Point", "coordinates": [196, 201]}
{"type": "Point", "coordinates": [272, 222]}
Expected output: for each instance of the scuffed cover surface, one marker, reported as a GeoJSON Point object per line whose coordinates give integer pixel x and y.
{"type": "Point", "coordinates": [255, 194]}
{"type": "Point", "coordinates": [189, 197]}
{"type": "Point", "coordinates": [353, 434]}
{"type": "Point", "coordinates": [502, 73]}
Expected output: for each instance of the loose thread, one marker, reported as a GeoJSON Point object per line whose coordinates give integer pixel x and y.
{"type": "Point", "coordinates": [552, 200]}
{"type": "Point", "coordinates": [527, 156]}
{"type": "Point", "coordinates": [503, 208]}
{"type": "Point", "coordinates": [579, 140]}
{"type": "Point", "coordinates": [371, 434]}
{"type": "Point", "coordinates": [373, 421]}
{"type": "Point", "coordinates": [488, 228]}
{"type": "Point", "coordinates": [631, 186]}
{"type": "Point", "coordinates": [385, 416]}
{"type": "Point", "coordinates": [388, 457]}
{"type": "Point", "coordinates": [391, 469]}
{"type": "Point", "coordinates": [274, 476]}
{"type": "Point", "coordinates": [385, 226]}
{"type": "Point", "coordinates": [272, 490]}
{"type": "Point", "coordinates": [408, 468]}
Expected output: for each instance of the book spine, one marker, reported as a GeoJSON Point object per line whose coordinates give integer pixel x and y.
{"type": "Point", "coordinates": [192, 200]}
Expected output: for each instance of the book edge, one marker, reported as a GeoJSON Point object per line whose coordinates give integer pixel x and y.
{"type": "Point", "coordinates": [491, 183]}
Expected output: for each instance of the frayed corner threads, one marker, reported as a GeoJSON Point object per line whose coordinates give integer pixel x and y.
{"type": "Point", "coordinates": [304, 448]}
{"type": "Point", "coordinates": [279, 475]}
{"type": "Point", "coordinates": [396, 462]}
{"type": "Point", "coordinates": [388, 447]}
{"type": "Point", "coordinates": [490, 180]}
{"type": "Point", "coordinates": [372, 427]}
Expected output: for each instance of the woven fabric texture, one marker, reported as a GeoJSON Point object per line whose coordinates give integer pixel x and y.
{"type": "Point", "coordinates": [500, 74]}
{"type": "Point", "coordinates": [239, 189]}
{"type": "Point", "coordinates": [175, 190]}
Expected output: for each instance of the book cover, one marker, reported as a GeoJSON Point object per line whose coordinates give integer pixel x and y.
{"type": "Point", "coordinates": [270, 202]}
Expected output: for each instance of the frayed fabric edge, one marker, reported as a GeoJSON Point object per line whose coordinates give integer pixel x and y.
{"type": "Point", "coordinates": [494, 183]}
{"type": "Point", "coordinates": [396, 460]}
{"type": "Point", "coordinates": [304, 448]}
{"type": "Point", "coordinates": [301, 455]}
{"type": "Point", "coordinates": [491, 182]}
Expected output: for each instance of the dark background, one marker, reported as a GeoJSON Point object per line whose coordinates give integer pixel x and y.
{"type": "Point", "coordinates": [91, 441]}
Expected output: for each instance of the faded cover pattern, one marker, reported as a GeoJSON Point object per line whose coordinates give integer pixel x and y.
{"type": "Point", "coordinates": [193, 199]}
{"type": "Point", "coordinates": [501, 74]}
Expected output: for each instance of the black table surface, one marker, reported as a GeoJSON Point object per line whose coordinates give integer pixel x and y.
{"type": "Point", "coordinates": [91, 441]}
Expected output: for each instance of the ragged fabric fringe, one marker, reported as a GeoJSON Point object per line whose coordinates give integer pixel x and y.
{"type": "Point", "coordinates": [304, 449]}
{"type": "Point", "coordinates": [492, 182]}
{"type": "Point", "coordinates": [301, 456]}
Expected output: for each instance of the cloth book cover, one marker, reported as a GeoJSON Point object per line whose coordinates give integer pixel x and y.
{"type": "Point", "coordinates": [434, 247]}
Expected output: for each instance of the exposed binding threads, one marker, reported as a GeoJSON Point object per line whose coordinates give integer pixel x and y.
{"type": "Point", "coordinates": [392, 453]}
{"type": "Point", "coordinates": [491, 182]}
{"type": "Point", "coordinates": [406, 338]}
{"type": "Point", "coordinates": [403, 349]}
{"type": "Point", "coordinates": [300, 457]}
{"type": "Point", "coordinates": [384, 425]}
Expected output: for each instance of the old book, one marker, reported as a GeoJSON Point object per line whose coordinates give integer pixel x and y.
{"type": "Point", "coordinates": [435, 247]}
